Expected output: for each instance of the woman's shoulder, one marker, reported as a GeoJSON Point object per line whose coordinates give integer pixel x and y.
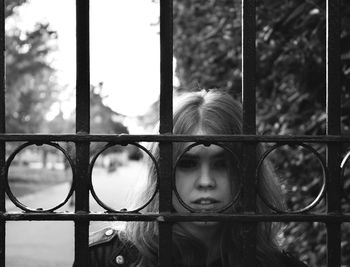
{"type": "Point", "coordinates": [288, 260]}
{"type": "Point", "coordinates": [108, 248]}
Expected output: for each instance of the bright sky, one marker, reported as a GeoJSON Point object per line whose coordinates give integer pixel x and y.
{"type": "Point", "coordinates": [124, 48]}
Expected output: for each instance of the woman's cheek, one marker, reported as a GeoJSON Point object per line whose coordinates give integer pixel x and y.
{"type": "Point", "coordinates": [177, 205]}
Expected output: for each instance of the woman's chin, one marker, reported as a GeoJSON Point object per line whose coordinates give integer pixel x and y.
{"type": "Point", "coordinates": [206, 224]}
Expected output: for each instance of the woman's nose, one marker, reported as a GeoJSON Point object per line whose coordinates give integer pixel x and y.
{"type": "Point", "coordinates": [205, 178]}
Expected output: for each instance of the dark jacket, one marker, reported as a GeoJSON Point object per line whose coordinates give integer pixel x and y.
{"type": "Point", "coordinates": [108, 250]}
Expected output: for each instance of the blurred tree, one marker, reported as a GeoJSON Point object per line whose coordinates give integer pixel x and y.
{"type": "Point", "coordinates": [103, 119]}
{"type": "Point", "coordinates": [30, 84]}
{"type": "Point", "coordinates": [11, 5]}
{"type": "Point", "coordinates": [59, 124]}
{"type": "Point", "coordinates": [207, 44]}
{"type": "Point", "coordinates": [290, 53]}
{"type": "Point", "coordinates": [290, 67]}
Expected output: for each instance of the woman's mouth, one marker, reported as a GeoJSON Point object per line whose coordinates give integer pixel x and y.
{"type": "Point", "coordinates": [206, 203]}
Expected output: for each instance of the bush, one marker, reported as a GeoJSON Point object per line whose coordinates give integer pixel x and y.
{"type": "Point", "coordinates": [290, 42]}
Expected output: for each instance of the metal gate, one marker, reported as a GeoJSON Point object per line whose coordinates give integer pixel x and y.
{"type": "Point", "coordinates": [333, 218]}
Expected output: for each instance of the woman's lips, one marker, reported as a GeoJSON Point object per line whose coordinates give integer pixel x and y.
{"type": "Point", "coordinates": [205, 203]}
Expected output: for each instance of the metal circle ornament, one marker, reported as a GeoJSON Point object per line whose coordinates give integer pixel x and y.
{"type": "Point", "coordinates": [237, 166]}
{"type": "Point", "coordinates": [343, 166]}
{"type": "Point", "coordinates": [321, 192]}
{"type": "Point", "coordinates": [12, 196]}
{"type": "Point", "coordinates": [93, 191]}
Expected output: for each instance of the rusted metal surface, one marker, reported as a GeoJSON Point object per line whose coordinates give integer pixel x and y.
{"type": "Point", "coordinates": [98, 199]}
{"type": "Point", "coordinates": [333, 126]}
{"type": "Point", "coordinates": [2, 130]}
{"type": "Point", "coordinates": [82, 126]}
{"type": "Point", "coordinates": [248, 66]}
{"type": "Point", "coordinates": [249, 127]}
{"type": "Point", "coordinates": [122, 138]}
{"type": "Point", "coordinates": [12, 196]}
{"type": "Point", "coordinates": [235, 197]}
{"type": "Point", "coordinates": [82, 67]}
{"type": "Point", "coordinates": [321, 192]}
{"type": "Point", "coordinates": [165, 127]}
{"type": "Point", "coordinates": [174, 217]}
{"type": "Point", "coordinates": [82, 168]}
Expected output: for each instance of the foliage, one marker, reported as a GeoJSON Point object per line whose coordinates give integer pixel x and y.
{"type": "Point", "coordinates": [11, 5]}
{"type": "Point", "coordinates": [103, 119]}
{"type": "Point", "coordinates": [207, 44]}
{"type": "Point", "coordinates": [30, 84]}
{"type": "Point", "coordinates": [290, 82]}
{"type": "Point", "coordinates": [290, 58]}
{"type": "Point", "coordinates": [32, 88]}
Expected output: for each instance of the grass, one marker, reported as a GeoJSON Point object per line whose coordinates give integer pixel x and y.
{"type": "Point", "coordinates": [24, 180]}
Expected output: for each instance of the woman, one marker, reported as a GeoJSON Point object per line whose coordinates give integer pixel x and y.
{"type": "Point", "coordinates": [207, 179]}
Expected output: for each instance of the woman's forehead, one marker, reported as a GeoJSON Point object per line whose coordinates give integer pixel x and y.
{"type": "Point", "coordinates": [205, 151]}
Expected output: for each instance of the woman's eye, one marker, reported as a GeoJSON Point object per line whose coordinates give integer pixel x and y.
{"type": "Point", "coordinates": [220, 164]}
{"type": "Point", "coordinates": [187, 164]}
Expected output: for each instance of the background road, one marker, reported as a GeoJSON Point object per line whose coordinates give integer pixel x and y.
{"type": "Point", "coordinates": [51, 244]}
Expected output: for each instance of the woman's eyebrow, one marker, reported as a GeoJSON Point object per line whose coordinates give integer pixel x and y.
{"type": "Point", "coordinates": [216, 155]}
{"type": "Point", "coordinates": [220, 154]}
{"type": "Point", "coordinates": [189, 156]}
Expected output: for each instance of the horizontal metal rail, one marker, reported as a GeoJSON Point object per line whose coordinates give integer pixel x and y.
{"type": "Point", "coordinates": [120, 138]}
{"type": "Point", "coordinates": [333, 217]}
{"type": "Point", "coordinates": [173, 217]}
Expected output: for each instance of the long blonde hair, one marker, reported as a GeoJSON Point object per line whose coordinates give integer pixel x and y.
{"type": "Point", "coordinates": [214, 112]}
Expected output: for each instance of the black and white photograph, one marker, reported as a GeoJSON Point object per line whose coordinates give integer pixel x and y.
{"type": "Point", "coordinates": [175, 133]}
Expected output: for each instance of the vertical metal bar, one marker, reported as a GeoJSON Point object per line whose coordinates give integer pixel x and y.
{"type": "Point", "coordinates": [248, 66]}
{"type": "Point", "coordinates": [2, 130]}
{"type": "Point", "coordinates": [166, 126]}
{"type": "Point", "coordinates": [249, 127]}
{"type": "Point", "coordinates": [82, 127]}
{"type": "Point", "coordinates": [333, 69]}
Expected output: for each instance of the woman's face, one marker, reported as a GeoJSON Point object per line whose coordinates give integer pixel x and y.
{"type": "Point", "coordinates": [203, 179]}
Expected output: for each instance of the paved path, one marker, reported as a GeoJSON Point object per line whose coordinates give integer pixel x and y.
{"type": "Point", "coordinates": [51, 244]}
